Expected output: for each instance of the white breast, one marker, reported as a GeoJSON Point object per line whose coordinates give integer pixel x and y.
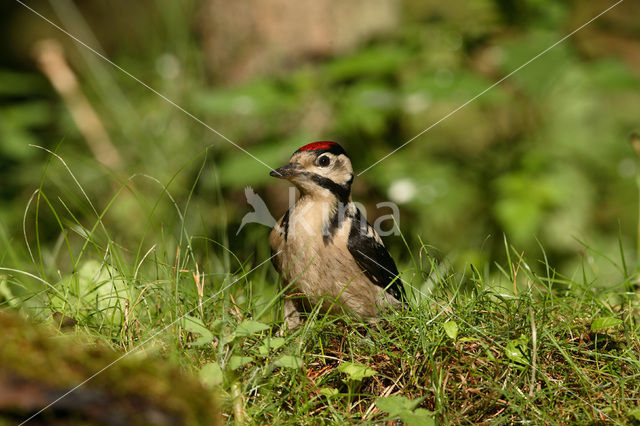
{"type": "Point", "coordinates": [317, 270]}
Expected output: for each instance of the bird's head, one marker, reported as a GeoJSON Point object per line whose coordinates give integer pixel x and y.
{"type": "Point", "coordinates": [319, 168]}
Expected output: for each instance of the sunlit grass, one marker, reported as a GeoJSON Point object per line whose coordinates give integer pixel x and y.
{"type": "Point", "coordinates": [497, 343]}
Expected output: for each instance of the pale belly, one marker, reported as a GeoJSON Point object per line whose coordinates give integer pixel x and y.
{"type": "Point", "coordinates": [326, 274]}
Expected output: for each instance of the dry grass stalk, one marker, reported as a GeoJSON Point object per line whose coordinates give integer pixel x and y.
{"type": "Point", "coordinates": [50, 57]}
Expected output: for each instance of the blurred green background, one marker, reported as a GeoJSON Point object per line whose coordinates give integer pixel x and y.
{"type": "Point", "coordinates": [542, 158]}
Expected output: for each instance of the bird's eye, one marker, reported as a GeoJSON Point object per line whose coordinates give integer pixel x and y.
{"type": "Point", "coordinates": [324, 161]}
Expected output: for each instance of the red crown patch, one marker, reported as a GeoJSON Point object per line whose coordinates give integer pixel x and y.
{"type": "Point", "coordinates": [314, 146]}
{"type": "Point", "coordinates": [323, 146]}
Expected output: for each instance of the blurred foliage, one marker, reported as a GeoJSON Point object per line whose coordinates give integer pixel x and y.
{"type": "Point", "coordinates": [542, 157]}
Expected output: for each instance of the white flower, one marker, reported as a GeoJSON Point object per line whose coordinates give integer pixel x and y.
{"type": "Point", "coordinates": [402, 190]}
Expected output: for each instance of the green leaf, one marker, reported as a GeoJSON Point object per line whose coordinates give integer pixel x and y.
{"type": "Point", "coordinates": [211, 375]}
{"type": "Point", "coordinates": [216, 325]}
{"type": "Point", "coordinates": [604, 323]}
{"type": "Point", "coordinates": [95, 293]}
{"type": "Point", "coordinates": [400, 406]}
{"type": "Point", "coordinates": [249, 328]}
{"type": "Point", "coordinates": [237, 361]}
{"type": "Point", "coordinates": [329, 392]}
{"type": "Point", "coordinates": [516, 350]}
{"type": "Point", "coordinates": [196, 326]}
{"type": "Point", "coordinates": [451, 328]}
{"type": "Point", "coordinates": [420, 417]}
{"type": "Point", "coordinates": [634, 414]}
{"type": "Point", "coordinates": [270, 343]}
{"type": "Point", "coordinates": [99, 293]}
{"type": "Point", "coordinates": [356, 372]}
{"type": "Point", "coordinates": [6, 294]}
{"type": "Point", "coordinates": [289, 361]}
{"type": "Point", "coordinates": [396, 404]}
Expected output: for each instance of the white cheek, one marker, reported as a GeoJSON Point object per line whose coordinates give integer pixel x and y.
{"type": "Point", "coordinates": [305, 184]}
{"type": "Point", "coordinates": [323, 171]}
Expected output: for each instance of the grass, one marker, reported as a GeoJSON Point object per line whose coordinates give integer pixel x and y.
{"type": "Point", "coordinates": [513, 343]}
{"type": "Point", "coordinates": [500, 343]}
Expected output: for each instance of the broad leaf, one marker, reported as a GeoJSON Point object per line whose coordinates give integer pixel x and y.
{"type": "Point", "coordinates": [516, 350]}
{"type": "Point", "coordinates": [451, 328]}
{"type": "Point", "coordinates": [237, 361]}
{"type": "Point", "coordinates": [400, 406]}
{"type": "Point", "coordinates": [396, 404]}
{"type": "Point", "coordinates": [211, 374]}
{"type": "Point", "coordinates": [356, 372]}
{"type": "Point", "coordinates": [249, 328]}
{"type": "Point", "coordinates": [196, 326]}
{"type": "Point", "coordinates": [634, 414]}
{"type": "Point", "coordinates": [97, 291]}
{"type": "Point", "coordinates": [604, 323]}
{"type": "Point", "coordinates": [289, 361]}
{"type": "Point", "coordinates": [329, 392]}
{"type": "Point", "coordinates": [270, 343]}
{"type": "Point", "coordinates": [420, 417]}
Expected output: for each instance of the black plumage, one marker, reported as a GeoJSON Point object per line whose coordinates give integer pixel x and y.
{"type": "Point", "coordinates": [373, 258]}
{"type": "Point", "coordinates": [284, 224]}
{"type": "Point", "coordinates": [341, 192]}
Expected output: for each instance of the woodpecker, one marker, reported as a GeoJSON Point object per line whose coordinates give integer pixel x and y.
{"type": "Point", "coordinates": [324, 249]}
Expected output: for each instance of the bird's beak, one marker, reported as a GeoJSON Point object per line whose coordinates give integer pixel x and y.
{"type": "Point", "coordinates": [287, 172]}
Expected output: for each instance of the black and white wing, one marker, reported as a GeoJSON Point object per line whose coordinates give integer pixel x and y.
{"type": "Point", "coordinates": [372, 257]}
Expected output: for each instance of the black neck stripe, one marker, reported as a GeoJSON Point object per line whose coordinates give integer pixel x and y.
{"type": "Point", "coordinates": [335, 222]}
{"type": "Point", "coordinates": [340, 191]}
{"type": "Point", "coordinates": [284, 224]}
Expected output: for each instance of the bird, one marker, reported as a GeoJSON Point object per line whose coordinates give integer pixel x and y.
{"type": "Point", "coordinates": [260, 213]}
{"type": "Point", "coordinates": [324, 249]}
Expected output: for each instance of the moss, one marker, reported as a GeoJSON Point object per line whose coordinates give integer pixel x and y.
{"type": "Point", "coordinates": [38, 365]}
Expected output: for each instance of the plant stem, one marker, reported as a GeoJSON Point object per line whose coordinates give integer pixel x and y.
{"type": "Point", "coordinates": [238, 404]}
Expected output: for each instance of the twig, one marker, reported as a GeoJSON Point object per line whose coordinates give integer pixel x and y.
{"type": "Point", "coordinates": [387, 391]}
{"type": "Point", "coordinates": [199, 280]}
{"type": "Point", "coordinates": [50, 57]}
